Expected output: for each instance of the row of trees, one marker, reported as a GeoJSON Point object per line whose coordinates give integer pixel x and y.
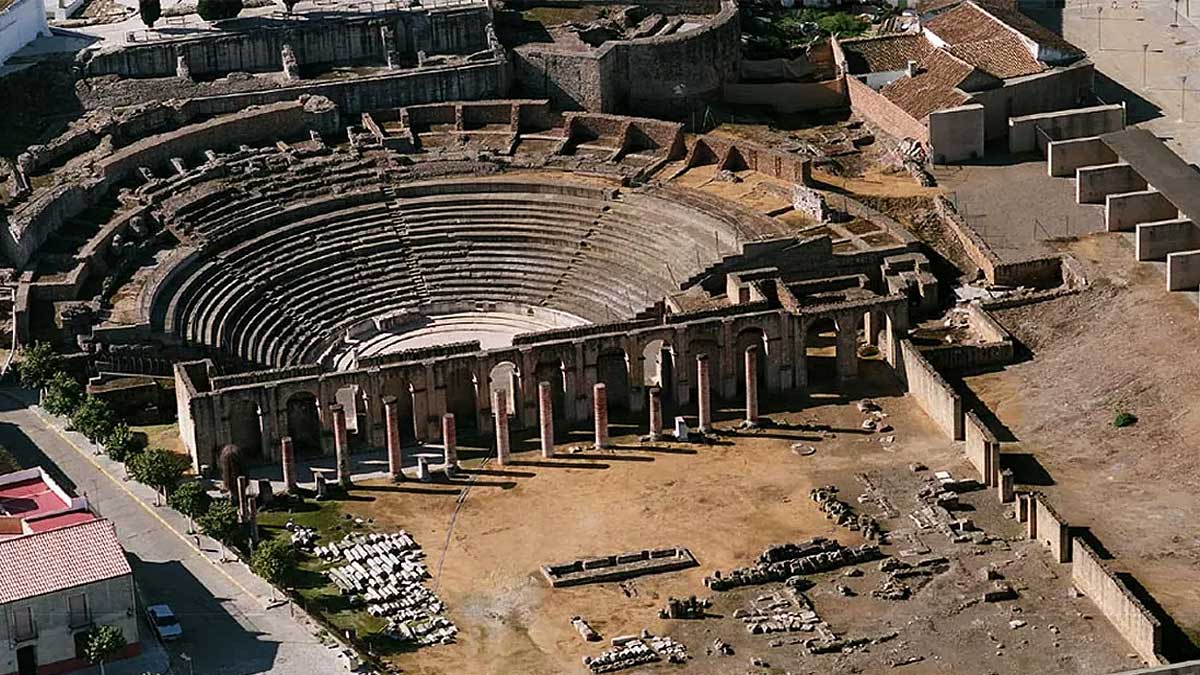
{"type": "Point", "coordinates": [42, 368]}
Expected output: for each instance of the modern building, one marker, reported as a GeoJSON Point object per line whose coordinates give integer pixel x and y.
{"type": "Point", "coordinates": [62, 573]}
{"type": "Point", "coordinates": [21, 22]}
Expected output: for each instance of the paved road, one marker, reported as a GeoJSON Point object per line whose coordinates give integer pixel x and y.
{"type": "Point", "coordinates": [228, 631]}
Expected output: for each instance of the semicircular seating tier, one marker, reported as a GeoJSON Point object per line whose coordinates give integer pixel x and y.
{"type": "Point", "coordinates": [277, 269]}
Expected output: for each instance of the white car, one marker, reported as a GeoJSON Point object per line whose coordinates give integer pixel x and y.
{"type": "Point", "coordinates": [165, 622]}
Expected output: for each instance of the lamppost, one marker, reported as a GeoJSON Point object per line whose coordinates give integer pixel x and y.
{"type": "Point", "coordinates": [1099, 25]}
{"type": "Point", "coordinates": [1183, 98]}
{"type": "Point", "coordinates": [1175, 22]}
{"type": "Point", "coordinates": [1145, 59]}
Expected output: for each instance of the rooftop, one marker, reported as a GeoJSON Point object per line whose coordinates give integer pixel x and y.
{"type": "Point", "coordinates": [30, 501]}
{"type": "Point", "coordinates": [934, 87]}
{"type": "Point", "coordinates": [59, 559]}
{"type": "Point", "coordinates": [884, 54]}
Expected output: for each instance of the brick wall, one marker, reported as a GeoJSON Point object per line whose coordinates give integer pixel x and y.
{"type": "Point", "coordinates": [876, 109]}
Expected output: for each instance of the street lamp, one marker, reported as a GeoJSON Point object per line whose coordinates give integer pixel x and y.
{"type": "Point", "coordinates": [1183, 98]}
{"type": "Point", "coordinates": [1099, 25]}
{"type": "Point", "coordinates": [1175, 22]}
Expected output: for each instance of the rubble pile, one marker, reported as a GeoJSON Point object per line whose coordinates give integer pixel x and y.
{"type": "Point", "coordinates": [686, 608]}
{"type": "Point", "coordinates": [801, 562]}
{"type": "Point", "coordinates": [303, 538]}
{"type": "Point", "coordinates": [841, 513]}
{"type": "Point", "coordinates": [628, 651]}
{"type": "Point", "coordinates": [386, 571]}
{"type": "Point", "coordinates": [772, 613]}
{"type": "Point", "coordinates": [903, 579]}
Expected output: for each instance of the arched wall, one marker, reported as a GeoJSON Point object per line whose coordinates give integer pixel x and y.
{"type": "Point", "coordinates": [723, 337]}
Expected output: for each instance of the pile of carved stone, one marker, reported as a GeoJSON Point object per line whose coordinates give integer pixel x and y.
{"type": "Point", "coordinates": [386, 571]}
{"type": "Point", "coordinates": [841, 513]}
{"type": "Point", "coordinates": [774, 613]}
{"type": "Point", "coordinates": [903, 579]}
{"type": "Point", "coordinates": [628, 651]}
{"type": "Point", "coordinates": [780, 562]}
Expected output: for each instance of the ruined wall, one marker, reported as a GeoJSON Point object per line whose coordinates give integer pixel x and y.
{"type": "Point", "coordinates": [1028, 133]}
{"type": "Point", "coordinates": [1050, 529]}
{"type": "Point", "coordinates": [1118, 604]}
{"type": "Point", "coordinates": [317, 43]}
{"type": "Point", "coordinates": [932, 392]}
{"type": "Point", "coordinates": [1041, 272]}
{"type": "Point", "coordinates": [656, 76]}
{"type": "Point", "coordinates": [878, 110]}
{"type": "Point", "coordinates": [982, 449]}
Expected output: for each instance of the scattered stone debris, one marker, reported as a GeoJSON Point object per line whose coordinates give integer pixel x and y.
{"type": "Point", "coordinates": [778, 563]}
{"type": "Point", "coordinates": [843, 514]}
{"type": "Point", "coordinates": [803, 449]}
{"type": "Point", "coordinates": [1017, 623]}
{"type": "Point", "coordinates": [628, 651]}
{"type": "Point", "coordinates": [303, 538]}
{"type": "Point", "coordinates": [903, 576]}
{"type": "Point", "coordinates": [585, 629]}
{"type": "Point", "coordinates": [721, 648]}
{"type": "Point", "coordinates": [386, 570]}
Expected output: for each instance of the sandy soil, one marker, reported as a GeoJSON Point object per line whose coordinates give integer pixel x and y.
{"type": "Point", "coordinates": [1124, 344]}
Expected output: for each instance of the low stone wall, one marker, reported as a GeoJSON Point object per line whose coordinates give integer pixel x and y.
{"type": "Point", "coordinates": [1063, 158]}
{"type": "Point", "coordinates": [1119, 605]}
{"type": "Point", "coordinates": [983, 450]}
{"type": "Point", "coordinates": [931, 391]}
{"type": "Point", "coordinates": [1038, 272]}
{"type": "Point", "coordinates": [737, 155]}
{"type": "Point", "coordinates": [1028, 133]}
{"type": "Point", "coordinates": [342, 41]}
{"type": "Point", "coordinates": [1123, 211]}
{"type": "Point", "coordinates": [1094, 183]}
{"type": "Point", "coordinates": [1047, 527]}
{"type": "Point", "coordinates": [1155, 241]}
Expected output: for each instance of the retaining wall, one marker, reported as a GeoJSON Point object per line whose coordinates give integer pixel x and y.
{"type": "Point", "coordinates": [316, 43]}
{"type": "Point", "coordinates": [1024, 136]}
{"type": "Point", "coordinates": [931, 391]}
{"type": "Point", "coordinates": [1063, 158]}
{"type": "Point", "coordinates": [1042, 272]}
{"type": "Point", "coordinates": [1114, 599]}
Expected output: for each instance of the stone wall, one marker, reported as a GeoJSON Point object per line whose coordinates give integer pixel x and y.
{"type": "Point", "coordinates": [655, 76]}
{"type": "Point", "coordinates": [956, 134]}
{"type": "Point", "coordinates": [737, 155]}
{"type": "Point", "coordinates": [1029, 133]}
{"type": "Point", "coordinates": [1041, 272]}
{"type": "Point", "coordinates": [1046, 526]}
{"type": "Point", "coordinates": [931, 391]}
{"type": "Point", "coordinates": [1056, 89]}
{"type": "Point", "coordinates": [1064, 157]}
{"type": "Point", "coordinates": [983, 450]}
{"type": "Point", "coordinates": [788, 97]}
{"type": "Point", "coordinates": [319, 43]}
{"type": "Point", "coordinates": [878, 110]}
{"type": "Point", "coordinates": [1118, 604]}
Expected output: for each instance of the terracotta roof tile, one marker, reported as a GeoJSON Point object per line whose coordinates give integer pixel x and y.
{"type": "Point", "coordinates": [932, 88]}
{"type": "Point", "coordinates": [972, 22]}
{"type": "Point", "coordinates": [64, 558]}
{"type": "Point", "coordinates": [1003, 57]}
{"type": "Point", "coordinates": [884, 54]}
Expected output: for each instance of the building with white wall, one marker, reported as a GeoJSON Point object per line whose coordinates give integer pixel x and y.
{"type": "Point", "coordinates": [21, 22]}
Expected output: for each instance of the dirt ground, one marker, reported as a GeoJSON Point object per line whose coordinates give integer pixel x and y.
{"type": "Point", "coordinates": [726, 502]}
{"type": "Point", "coordinates": [1124, 344]}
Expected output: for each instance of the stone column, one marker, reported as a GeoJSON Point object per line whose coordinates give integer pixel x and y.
{"type": "Point", "coordinates": [704, 393]}
{"type": "Point", "coordinates": [500, 410]}
{"type": "Point", "coordinates": [288, 458]}
{"type": "Point", "coordinates": [600, 413]}
{"type": "Point", "coordinates": [243, 494]}
{"type": "Point", "coordinates": [341, 444]}
{"type": "Point", "coordinates": [546, 417]}
{"type": "Point", "coordinates": [391, 416]}
{"type": "Point", "coordinates": [449, 443]}
{"type": "Point", "coordinates": [655, 413]}
{"type": "Point", "coordinates": [423, 470]}
{"type": "Point", "coordinates": [291, 66]}
{"type": "Point", "coordinates": [752, 383]}
{"type": "Point", "coordinates": [1005, 488]}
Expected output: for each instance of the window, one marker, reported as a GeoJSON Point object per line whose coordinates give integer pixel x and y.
{"type": "Point", "coordinates": [79, 610]}
{"type": "Point", "coordinates": [23, 626]}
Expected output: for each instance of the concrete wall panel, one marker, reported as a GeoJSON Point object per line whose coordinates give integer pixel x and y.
{"type": "Point", "coordinates": [1156, 240]}
{"type": "Point", "coordinates": [1123, 211]}
{"type": "Point", "coordinates": [1032, 132]}
{"type": "Point", "coordinates": [931, 391]}
{"type": "Point", "coordinates": [1064, 157]}
{"type": "Point", "coordinates": [1183, 271]}
{"type": "Point", "coordinates": [1094, 183]}
{"type": "Point", "coordinates": [1130, 617]}
{"type": "Point", "coordinates": [956, 134]}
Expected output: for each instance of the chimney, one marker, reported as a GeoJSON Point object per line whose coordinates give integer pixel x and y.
{"type": "Point", "coordinates": [911, 70]}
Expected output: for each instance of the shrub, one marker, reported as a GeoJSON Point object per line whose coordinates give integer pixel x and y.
{"type": "Point", "coordinates": [1124, 419]}
{"type": "Point", "coordinates": [275, 561]}
{"type": "Point", "coordinates": [121, 444]}
{"type": "Point", "coordinates": [216, 10]}
{"type": "Point", "coordinates": [220, 521]}
{"type": "Point", "coordinates": [103, 643]}
{"type": "Point", "coordinates": [150, 10]}
{"type": "Point", "coordinates": [39, 363]}
{"type": "Point", "coordinates": [64, 394]}
{"type": "Point", "coordinates": [158, 468]}
{"type": "Point", "coordinates": [94, 419]}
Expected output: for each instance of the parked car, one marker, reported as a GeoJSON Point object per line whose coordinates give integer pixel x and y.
{"type": "Point", "coordinates": [165, 623]}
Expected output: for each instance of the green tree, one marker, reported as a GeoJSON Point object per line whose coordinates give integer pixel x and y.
{"type": "Point", "coordinates": [275, 561]}
{"type": "Point", "coordinates": [215, 10]}
{"type": "Point", "coordinates": [121, 444]}
{"type": "Point", "coordinates": [103, 643]}
{"type": "Point", "coordinates": [220, 522]}
{"type": "Point", "coordinates": [38, 364]}
{"type": "Point", "coordinates": [63, 394]}
{"type": "Point", "coordinates": [191, 499]}
{"type": "Point", "coordinates": [160, 469]}
{"type": "Point", "coordinates": [150, 10]}
{"type": "Point", "coordinates": [94, 419]}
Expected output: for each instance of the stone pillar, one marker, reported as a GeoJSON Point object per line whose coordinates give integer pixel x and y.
{"type": "Point", "coordinates": [655, 413]}
{"type": "Point", "coordinates": [1005, 488]}
{"type": "Point", "coordinates": [1031, 511]}
{"type": "Point", "coordinates": [291, 67]}
{"type": "Point", "coordinates": [600, 414]}
{"type": "Point", "coordinates": [319, 485]}
{"type": "Point", "coordinates": [500, 410]}
{"type": "Point", "coordinates": [341, 444]}
{"type": "Point", "coordinates": [288, 457]}
{"type": "Point", "coordinates": [423, 469]}
{"type": "Point", "coordinates": [1022, 509]}
{"type": "Point", "coordinates": [388, 35]}
{"type": "Point", "coordinates": [391, 416]}
{"type": "Point", "coordinates": [183, 70]}
{"type": "Point", "coordinates": [546, 417]}
{"type": "Point", "coordinates": [704, 393]}
{"type": "Point", "coordinates": [243, 494]}
{"type": "Point", "coordinates": [449, 443]}
{"type": "Point", "coordinates": [752, 383]}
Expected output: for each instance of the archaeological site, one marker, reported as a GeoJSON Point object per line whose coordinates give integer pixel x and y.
{"type": "Point", "coordinates": [537, 337]}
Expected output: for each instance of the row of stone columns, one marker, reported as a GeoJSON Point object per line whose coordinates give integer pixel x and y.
{"type": "Point", "coordinates": [500, 411]}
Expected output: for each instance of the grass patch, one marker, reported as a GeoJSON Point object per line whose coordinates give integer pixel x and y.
{"type": "Point", "coordinates": [165, 436]}
{"type": "Point", "coordinates": [1124, 419]}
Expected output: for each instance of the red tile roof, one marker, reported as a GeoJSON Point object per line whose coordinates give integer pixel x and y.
{"type": "Point", "coordinates": [59, 559]}
{"type": "Point", "coordinates": [983, 20]}
{"type": "Point", "coordinates": [1003, 57]}
{"type": "Point", "coordinates": [933, 87]}
{"type": "Point", "coordinates": [884, 54]}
